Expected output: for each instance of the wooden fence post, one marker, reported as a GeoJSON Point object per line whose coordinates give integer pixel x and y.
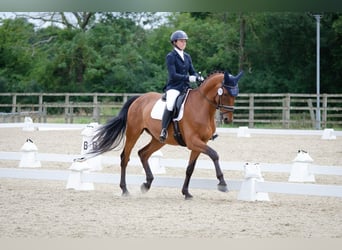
{"type": "Point", "coordinates": [286, 111]}
{"type": "Point", "coordinates": [66, 109]}
{"type": "Point", "coordinates": [96, 109]}
{"type": "Point", "coordinates": [14, 103]}
{"type": "Point", "coordinates": [324, 114]}
{"type": "Point", "coordinates": [218, 119]}
{"type": "Point", "coordinates": [312, 113]}
{"type": "Point", "coordinates": [40, 108]}
{"type": "Point", "coordinates": [14, 106]}
{"type": "Point", "coordinates": [71, 114]}
{"type": "Point", "coordinates": [44, 112]}
{"type": "Point", "coordinates": [251, 111]}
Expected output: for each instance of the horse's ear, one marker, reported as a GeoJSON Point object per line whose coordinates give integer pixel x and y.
{"type": "Point", "coordinates": [230, 79]}
{"type": "Point", "coordinates": [239, 75]}
{"type": "Point", "coordinates": [226, 76]}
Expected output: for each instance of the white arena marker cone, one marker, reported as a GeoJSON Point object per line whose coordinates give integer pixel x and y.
{"type": "Point", "coordinates": [84, 164]}
{"type": "Point", "coordinates": [75, 181]}
{"type": "Point", "coordinates": [28, 124]}
{"type": "Point", "coordinates": [300, 168]}
{"type": "Point", "coordinates": [154, 162]}
{"type": "Point", "coordinates": [248, 191]}
{"type": "Point", "coordinates": [243, 132]}
{"type": "Point", "coordinates": [29, 155]}
{"type": "Point", "coordinates": [328, 134]}
{"type": "Point", "coordinates": [88, 133]}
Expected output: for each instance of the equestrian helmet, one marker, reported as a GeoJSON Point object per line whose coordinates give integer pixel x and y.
{"type": "Point", "coordinates": [179, 34]}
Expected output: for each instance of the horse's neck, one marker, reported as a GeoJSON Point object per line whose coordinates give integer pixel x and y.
{"type": "Point", "coordinates": [207, 93]}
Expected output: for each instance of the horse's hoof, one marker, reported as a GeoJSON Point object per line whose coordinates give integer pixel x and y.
{"type": "Point", "coordinates": [144, 187]}
{"type": "Point", "coordinates": [222, 188]}
{"type": "Point", "coordinates": [188, 197]}
{"type": "Point", "coordinates": [125, 194]}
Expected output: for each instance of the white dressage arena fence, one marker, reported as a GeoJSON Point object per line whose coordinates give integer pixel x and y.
{"type": "Point", "coordinates": [176, 182]}
{"type": "Point", "coordinates": [252, 188]}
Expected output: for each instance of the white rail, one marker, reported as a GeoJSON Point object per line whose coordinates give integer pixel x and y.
{"type": "Point", "coordinates": [179, 163]}
{"type": "Point", "coordinates": [172, 182]}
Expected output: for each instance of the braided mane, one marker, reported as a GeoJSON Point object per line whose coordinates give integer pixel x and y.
{"type": "Point", "coordinates": [212, 74]}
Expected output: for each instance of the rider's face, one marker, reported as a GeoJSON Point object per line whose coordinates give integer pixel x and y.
{"type": "Point", "coordinates": [181, 44]}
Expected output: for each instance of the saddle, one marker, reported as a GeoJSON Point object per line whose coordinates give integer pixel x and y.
{"type": "Point", "coordinates": [178, 104]}
{"type": "Point", "coordinates": [176, 117]}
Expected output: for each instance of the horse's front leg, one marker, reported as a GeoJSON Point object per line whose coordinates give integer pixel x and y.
{"type": "Point", "coordinates": [189, 170]}
{"type": "Point", "coordinates": [222, 186]}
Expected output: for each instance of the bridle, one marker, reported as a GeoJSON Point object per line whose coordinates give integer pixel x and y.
{"type": "Point", "coordinates": [226, 108]}
{"type": "Point", "coordinates": [232, 90]}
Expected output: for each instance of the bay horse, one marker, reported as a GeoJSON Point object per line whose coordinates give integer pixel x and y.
{"type": "Point", "coordinates": [218, 91]}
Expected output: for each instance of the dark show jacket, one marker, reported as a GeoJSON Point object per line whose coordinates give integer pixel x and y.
{"type": "Point", "coordinates": [179, 71]}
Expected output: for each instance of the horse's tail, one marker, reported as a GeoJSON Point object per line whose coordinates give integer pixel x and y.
{"type": "Point", "coordinates": [110, 135]}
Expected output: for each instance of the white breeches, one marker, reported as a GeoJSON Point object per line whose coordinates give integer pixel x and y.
{"type": "Point", "coordinates": [171, 96]}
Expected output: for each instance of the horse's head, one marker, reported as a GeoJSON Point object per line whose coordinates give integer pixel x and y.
{"type": "Point", "coordinates": [220, 89]}
{"type": "Point", "coordinates": [227, 94]}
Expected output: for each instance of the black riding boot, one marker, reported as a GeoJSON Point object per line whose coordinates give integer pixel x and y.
{"type": "Point", "coordinates": [167, 116]}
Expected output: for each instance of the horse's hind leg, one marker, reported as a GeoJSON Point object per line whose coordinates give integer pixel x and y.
{"type": "Point", "coordinates": [144, 155]}
{"type": "Point", "coordinates": [123, 184]}
{"type": "Point", "coordinates": [131, 138]}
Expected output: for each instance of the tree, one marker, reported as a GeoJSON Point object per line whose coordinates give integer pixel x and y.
{"type": "Point", "coordinates": [70, 20]}
{"type": "Point", "coordinates": [281, 53]}
{"type": "Point", "coordinates": [125, 52]}
{"type": "Point", "coordinates": [331, 53]}
{"type": "Point", "coordinates": [16, 38]}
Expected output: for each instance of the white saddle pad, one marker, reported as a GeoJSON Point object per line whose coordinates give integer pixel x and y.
{"type": "Point", "coordinates": [158, 110]}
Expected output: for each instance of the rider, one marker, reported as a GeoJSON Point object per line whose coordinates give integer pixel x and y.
{"type": "Point", "coordinates": [180, 73]}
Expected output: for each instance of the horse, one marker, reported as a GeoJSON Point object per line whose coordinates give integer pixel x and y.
{"type": "Point", "coordinates": [217, 91]}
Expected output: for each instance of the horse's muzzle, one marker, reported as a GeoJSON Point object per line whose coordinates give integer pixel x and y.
{"type": "Point", "coordinates": [227, 116]}
{"type": "Point", "coordinates": [227, 120]}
